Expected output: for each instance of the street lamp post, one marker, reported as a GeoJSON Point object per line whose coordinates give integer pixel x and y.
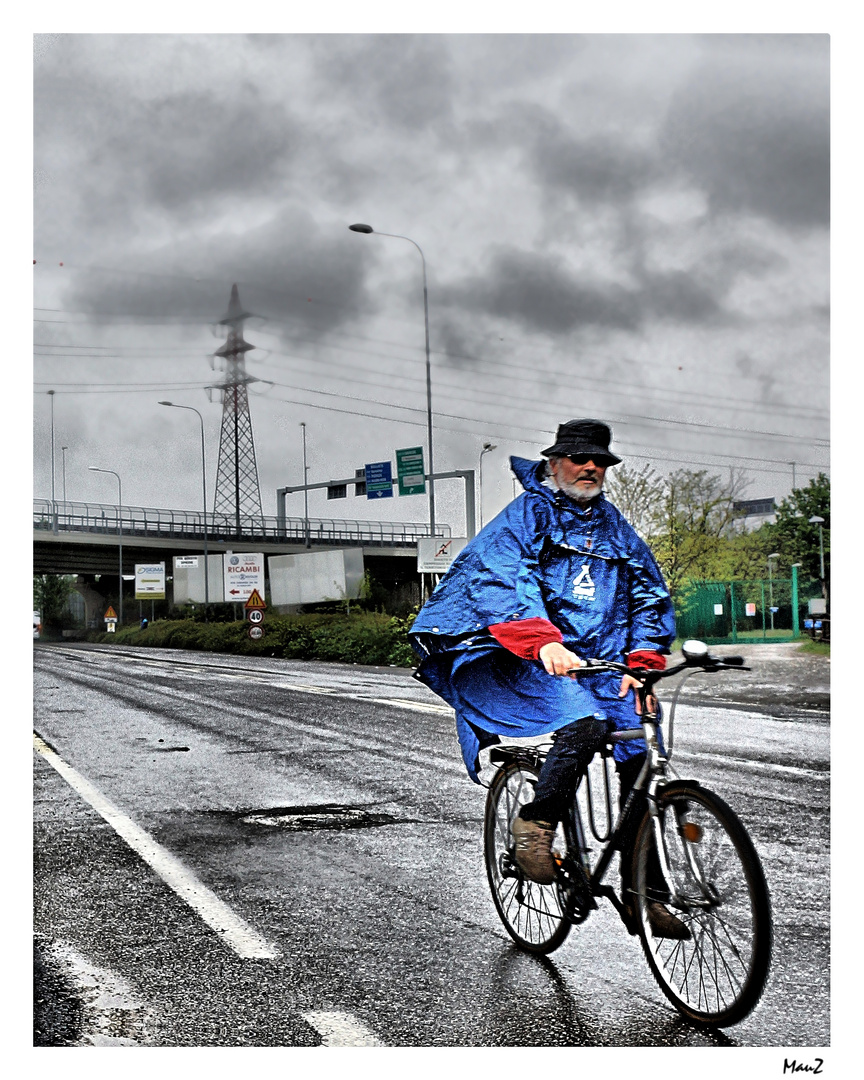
{"type": "Point", "coordinates": [93, 468]}
{"type": "Point", "coordinates": [368, 229]}
{"type": "Point", "coordinates": [171, 405]}
{"type": "Point", "coordinates": [772, 556]}
{"type": "Point", "coordinates": [63, 450]}
{"type": "Point", "coordinates": [487, 446]}
{"type": "Point", "coordinates": [816, 520]}
{"type": "Point", "coordinates": [305, 489]}
{"type": "Point", "coordinates": [53, 496]}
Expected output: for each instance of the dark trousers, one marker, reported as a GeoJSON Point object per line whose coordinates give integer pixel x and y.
{"type": "Point", "coordinates": [572, 749]}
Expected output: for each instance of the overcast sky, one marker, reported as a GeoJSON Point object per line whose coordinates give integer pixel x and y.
{"type": "Point", "coordinates": [630, 227]}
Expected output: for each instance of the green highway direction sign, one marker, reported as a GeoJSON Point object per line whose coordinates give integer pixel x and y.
{"type": "Point", "coordinates": [409, 469]}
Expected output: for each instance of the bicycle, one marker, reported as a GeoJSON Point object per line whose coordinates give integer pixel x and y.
{"type": "Point", "coordinates": [691, 853]}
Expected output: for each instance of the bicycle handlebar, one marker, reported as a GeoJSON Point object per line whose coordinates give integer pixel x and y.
{"type": "Point", "coordinates": [649, 676]}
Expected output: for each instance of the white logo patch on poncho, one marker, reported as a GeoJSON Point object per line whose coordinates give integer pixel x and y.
{"type": "Point", "coordinates": [583, 585]}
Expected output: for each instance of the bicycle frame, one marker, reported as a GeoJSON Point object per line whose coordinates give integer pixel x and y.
{"type": "Point", "coordinates": [653, 773]}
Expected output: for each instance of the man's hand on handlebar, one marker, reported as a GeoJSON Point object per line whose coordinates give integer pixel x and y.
{"type": "Point", "coordinates": [628, 683]}
{"type": "Point", "coordinates": [558, 660]}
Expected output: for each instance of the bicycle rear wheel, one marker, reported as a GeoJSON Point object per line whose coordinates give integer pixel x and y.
{"type": "Point", "coordinates": [535, 916]}
{"type": "Point", "coordinates": [718, 974]}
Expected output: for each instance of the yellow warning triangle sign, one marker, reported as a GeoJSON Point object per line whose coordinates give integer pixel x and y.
{"type": "Point", "coordinates": [110, 613]}
{"type": "Point", "coordinates": [255, 601]}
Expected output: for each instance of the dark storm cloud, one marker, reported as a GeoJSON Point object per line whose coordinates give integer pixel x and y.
{"type": "Point", "coordinates": [541, 293]}
{"type": "Point", "coordinates": [679, 297]}
{"type": "Point", "coordinates": [400, 79]}
{"type": "Point", "coordinates": [288, 272]}
{"type": "Point", "coordinates": [751, 128]}
{"type": "Point", "coordinates": [178, 153]}
{"type": "Point", "coordinates": [595, 169]}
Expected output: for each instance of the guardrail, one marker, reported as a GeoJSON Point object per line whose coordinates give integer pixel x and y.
{"type": "Point", "coordinates": [78, 517]}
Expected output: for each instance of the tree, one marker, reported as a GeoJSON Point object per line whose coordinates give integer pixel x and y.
{"type": "Point", "coordinates": [691, 516]}
{"type": "Point", "coordinates": [743, 556]}
{"type": "Point", "coordinates": [50, 593]}
{"type": "Point", "coordinates": [796, 538]}
{"type": "Point", "coordinates": [633, 491]}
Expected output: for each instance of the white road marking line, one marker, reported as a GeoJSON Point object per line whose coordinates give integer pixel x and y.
{"type": "Point", "coordinates": [752, 766]}
{"type": "Point", "coordinates": [234, 931]}
{"type": "Point", "coordinates": [341, 1029]}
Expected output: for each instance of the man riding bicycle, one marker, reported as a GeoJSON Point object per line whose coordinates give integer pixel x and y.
{"type": "Point", "coordinates": [557, 575]}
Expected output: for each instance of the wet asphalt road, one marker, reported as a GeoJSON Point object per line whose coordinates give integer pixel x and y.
{"type": "Point", "coordinates": [389, 928]}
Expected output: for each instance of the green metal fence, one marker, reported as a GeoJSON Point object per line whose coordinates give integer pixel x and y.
{"type": "Point", "coordinates": [773, 609]}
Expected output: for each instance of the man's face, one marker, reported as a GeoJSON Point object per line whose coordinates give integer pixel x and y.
{"type": "Point", "coordinates": [581, 479]}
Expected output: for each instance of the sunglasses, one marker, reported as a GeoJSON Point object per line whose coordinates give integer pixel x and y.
{"type": "Point", "coordinates": [583, 459]}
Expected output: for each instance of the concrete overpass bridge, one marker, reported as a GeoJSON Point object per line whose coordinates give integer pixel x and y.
{"type": "Point", "coordinates": [83, 539]}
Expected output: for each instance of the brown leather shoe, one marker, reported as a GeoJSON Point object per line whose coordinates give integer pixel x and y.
{"type": "Point", "coordinates": [533, 850]}
{"type": "Point", "coordinates": [664, 924]}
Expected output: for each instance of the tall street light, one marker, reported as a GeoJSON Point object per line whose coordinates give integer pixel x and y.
{"type": "Point", "coordinates": [816, 520]}
{"type": "Point", "coordinates": [63, 450]}
{"type": "Point", "coordinates": [487, 446]}
{"type": "Point", "coordinates": [368, 229]}
{"type": "Point", "coordinates": [771, 557]}
{"type": "Point", "coordinates": [171, 405]}
{"type": "Point", "coordinates": [305, 489]}
{"type": "Point", "coordinates": [53, 495]}
{"type": "Point", "coordinates": [93, 468]}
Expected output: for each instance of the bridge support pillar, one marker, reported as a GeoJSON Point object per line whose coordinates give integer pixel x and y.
{"type": "Point", "coordinates": [94, 601]}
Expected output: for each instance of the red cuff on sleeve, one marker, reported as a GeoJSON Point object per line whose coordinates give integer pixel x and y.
{"type": "Point", "coordinates": [525, 637]}
{"type": "Point", "coordinates": [646, 658]}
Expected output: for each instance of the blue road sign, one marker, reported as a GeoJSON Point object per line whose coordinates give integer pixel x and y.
{"type": "Point", "coordinates": [379, 480]}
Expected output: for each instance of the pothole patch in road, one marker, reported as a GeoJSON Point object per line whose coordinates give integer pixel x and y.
{"type": "Point", "coordinates": [308, 818]}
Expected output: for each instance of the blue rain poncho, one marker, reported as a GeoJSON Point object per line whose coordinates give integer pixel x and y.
{"type": "Point", "coordinates": [542, 557]}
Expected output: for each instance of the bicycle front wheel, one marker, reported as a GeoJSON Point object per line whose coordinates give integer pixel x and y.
{"type": "Point", "coordinates": [533, 915]}
{"type": "Point", "coordinates": [716, 888]}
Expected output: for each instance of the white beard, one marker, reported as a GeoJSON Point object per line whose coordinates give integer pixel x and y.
{"type": "Point", "coordinates": [580, 494]}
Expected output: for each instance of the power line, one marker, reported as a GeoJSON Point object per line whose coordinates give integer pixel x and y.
{"type": "Point", "coordinates": [480, 421]}
{"type": "Point", "coordinates": [741, 432]}
{"type": "Point", "coordinates": [499, 363]}
{"type": "Point", "coordinates": [625, 419]}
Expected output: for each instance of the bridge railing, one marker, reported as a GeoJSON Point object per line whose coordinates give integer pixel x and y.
{"type": "Point", "coordinates": [146, 521]}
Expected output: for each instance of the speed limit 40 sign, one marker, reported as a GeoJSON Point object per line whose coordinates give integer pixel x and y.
{"type": "Point", "coordinates": [255, 615]}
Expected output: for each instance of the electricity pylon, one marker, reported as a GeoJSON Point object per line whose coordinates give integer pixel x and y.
{"type": "Point", "coordinates": [237, 489]}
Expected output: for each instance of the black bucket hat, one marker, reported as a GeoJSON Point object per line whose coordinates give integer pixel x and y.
{"type": "Point", "coordinates": [584, 437]}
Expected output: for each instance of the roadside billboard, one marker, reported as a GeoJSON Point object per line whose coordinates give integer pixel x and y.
{"type": "Point", "coordinates": [150, 581]}
{"type": "Point", "coordinates": [188, 585]}
{"type": "Point", "coordinates": [313, 577]}
{"type": "Point", "coordinates": [242, 573]}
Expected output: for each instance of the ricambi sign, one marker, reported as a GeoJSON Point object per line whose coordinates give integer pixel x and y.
{"type": "Point", "coordinates": [243, 572]}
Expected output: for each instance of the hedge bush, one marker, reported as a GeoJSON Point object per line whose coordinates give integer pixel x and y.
{"type": "Point", "coordinates": [356, 638]}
